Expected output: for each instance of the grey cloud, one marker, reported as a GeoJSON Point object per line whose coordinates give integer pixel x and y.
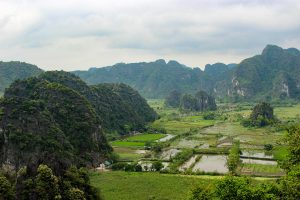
{"type": "Point", "coordinates": [98, 31]}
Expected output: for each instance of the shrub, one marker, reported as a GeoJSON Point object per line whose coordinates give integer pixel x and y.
{"type": "Point", "coordinates": [157, 166]}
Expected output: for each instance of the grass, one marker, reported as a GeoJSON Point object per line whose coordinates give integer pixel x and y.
{"type": "Point", "coordinates": [259, 169]}
{"type": "Point", "coordinates": [286, 113]}
{"type": "Point", "coordinates": [179, 127]}
{"type": "Point", "coordinates": [280, 153]}
{"type": "Point", "coordinates": [143, 186]}
{"type": "Point", "coordinates": [145, 137]}
{"type": "Point", "coordinates": [127, 144]}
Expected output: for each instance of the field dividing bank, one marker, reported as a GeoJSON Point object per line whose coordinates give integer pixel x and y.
{"type": "Point", "coordinates": [149, 185]}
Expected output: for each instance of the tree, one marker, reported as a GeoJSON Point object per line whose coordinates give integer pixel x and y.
{"type": "Point", "coordinates": [233, 159]}
{"type": "Point", "coordinates": [200, 193]}
{"type": "Point", "coordinates": [262, 109]}
{"type": "Point", "coordinates": [47, 187]}
{"type": "Point", "coordinates": [262, 114]}
{"type": "Point", "coordinates": [75, 194]}
{"type": "Point", "coordinates": [173, 99]}
{"type": "Point", "coordinates": [157, 166]}
{"type": "Point", "coordinates": [188, 102]}
{"type": "Point", "coordinates": [6, 189]}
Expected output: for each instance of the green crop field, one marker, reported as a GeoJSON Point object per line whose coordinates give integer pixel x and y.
{"type": "Point", "coordinates": [178, 127]}
{"type": "Point", "coordinates": [285, 113]}
{"type": "Point", "coordinates": [145, 137]}
{"type": "Point", "coordinates": [150, 185]}
{"type": "Point", "coordinates": [263, 170]}
{"type": "Point", "coordinates": [127, 144]}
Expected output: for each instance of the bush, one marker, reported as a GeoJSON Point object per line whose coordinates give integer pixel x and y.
{"type": "Point", "coordinates": [6, 191]}
{"type": "Point", "coordinates": [157, 166]}
{"type": "Point", "coordinates": [268, 147]}
{"type": "Point", "coordinates": [118, 166]}
{"type": "Point", "coordinates": [209, 116]}
{"type": "Point", "coordinates": [138, 168]}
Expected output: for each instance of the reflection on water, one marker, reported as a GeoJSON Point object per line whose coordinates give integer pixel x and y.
{"type": "Point", "coordinates": [211, 163]}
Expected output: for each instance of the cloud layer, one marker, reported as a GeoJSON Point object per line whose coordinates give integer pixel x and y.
{"type": "Point", "coordinates": [78, 34]}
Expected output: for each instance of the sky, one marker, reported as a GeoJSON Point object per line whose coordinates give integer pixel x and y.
{"type": "Point", "coordinates": [79, 34]}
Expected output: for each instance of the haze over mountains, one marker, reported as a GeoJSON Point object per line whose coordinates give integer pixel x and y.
{"type": "Point", "coordinates": [274, 74]}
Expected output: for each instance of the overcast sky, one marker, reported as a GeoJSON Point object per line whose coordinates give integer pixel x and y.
{"type": "Point", "coordinates": [79, 34]}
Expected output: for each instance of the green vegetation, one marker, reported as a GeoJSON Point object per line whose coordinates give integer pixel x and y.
{"type": "Point", "coordinates": [150, 185]}
{"type": "Point", "coordinates": [56, 120]}
{"type": "Point", "coordinates": [127, 144]}
{"type": "Point", "coordinates": [262, 169]}
{"type": "Point", "coordinates": [173, 99]}
{"type": "Point", "coordinates": [145, 137]}
{"type": "Point", "coordinates": [120, 108]}
{"type": "Point", "coordinates": [233, 159]}
{"type": "Point", "coordinates": [42, 183]}
{"type": "Point", "coordinates": [261, 115]}
{"type": "Point", "coordinates": [200, 102]}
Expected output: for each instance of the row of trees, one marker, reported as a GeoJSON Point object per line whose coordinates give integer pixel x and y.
{"type": "Point", "coordinates": [201, 101]}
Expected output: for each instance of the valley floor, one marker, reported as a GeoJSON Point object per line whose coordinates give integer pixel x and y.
{"type": "Point", "coordinates": [202, 146]}
{"type": "Point", "coordinates": [116, 185]}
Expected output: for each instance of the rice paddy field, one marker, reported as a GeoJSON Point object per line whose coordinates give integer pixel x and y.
{"type": "Point", "coordinates": [208, 140]}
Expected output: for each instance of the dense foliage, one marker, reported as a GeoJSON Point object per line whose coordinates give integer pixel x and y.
{"type": "Point", "coordinates": [119, 107]}
{"type": "Point", "coordinates": [200, 102]}
{"type": "Point", "coordinates": [233, 159]}
{"type": "Point", "coordinates": [261, 115]}
{"type": "Point", "coordinates": [11, 71]}
{"type": "Point", "coordinates": [43, 183]}
{"type": "Point", "coordinates": [173, 99]}
{"type": "Point", "coordinates": [43, 122]}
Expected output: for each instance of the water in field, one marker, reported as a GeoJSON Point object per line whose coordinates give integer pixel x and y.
{"type": "Point", "coordinates": [255, 161]}
{"type": "Point", "coordinates": [211, 163]}
{"type": "Point", "coordinates": [204, 146]}
{"type": "Point", "coordinates": [184, 143]}
{"type": "Point", "coordinates": [188, 164]}
{"type": "Point", "coordinates": [225, 144]}
{"type": "Point", "coordinates": [168, 137]}
{"type": "Point", "coordinates": [256, 154]}
{"type": "Point", "coordinates": [170, 153]}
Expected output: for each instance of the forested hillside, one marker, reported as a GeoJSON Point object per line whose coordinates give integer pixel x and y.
{"type": "Point", "coordinates": [53, 123]}
{"type": "Point", "coordinates": [152, 80]}
{"type": "Point", "coordinates": [272, 75]}
{"type": "Point", "coordinates": [11, 71]}
{"type": "Point", "coordinates": [119, 107]}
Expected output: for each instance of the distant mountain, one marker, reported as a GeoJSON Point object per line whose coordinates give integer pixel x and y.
{"type": "Point", "coordinates": [11, 71]}
{"type": "Point", "coordinates": [152, 80]}
{"type": "Point", "coordinates": [273, 74]}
